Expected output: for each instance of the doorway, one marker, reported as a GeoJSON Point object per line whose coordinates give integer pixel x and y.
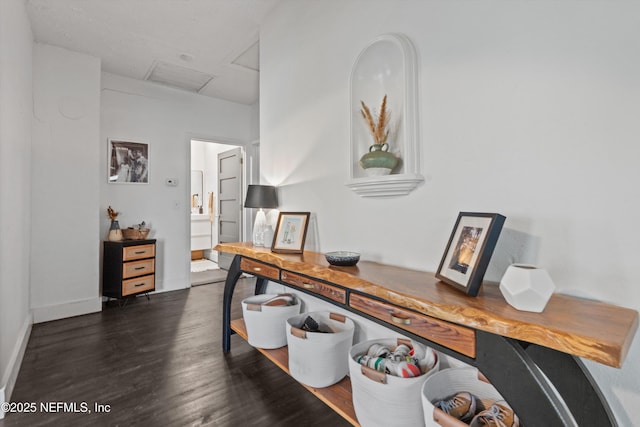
{"type": "Point", "coordinates": [216, 196]}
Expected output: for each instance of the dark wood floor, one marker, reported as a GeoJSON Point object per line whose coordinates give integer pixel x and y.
{"type": "Point", "coordinates": [159, 363]}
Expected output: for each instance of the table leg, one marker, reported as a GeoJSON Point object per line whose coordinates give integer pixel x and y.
{"type": "Point", "coordinates": [261, 285]}
{"type": "Point", "coordinates": [575, 384]}
{"type": "Point", "coordinates": [229, 286]}
{"type": "Point", "coordinates": [516, 377]}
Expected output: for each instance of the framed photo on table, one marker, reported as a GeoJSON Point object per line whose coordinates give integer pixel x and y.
{"type": "Point", "coordinates": [128, 162]}
{"type": "Point", "coordinates": [469, 250]}
{"type": "Point", "coordinates": [291, 232]}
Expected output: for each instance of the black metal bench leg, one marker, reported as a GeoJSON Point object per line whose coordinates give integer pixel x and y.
{"type": "Point", "coordinates": [229, 286]}
{"type": "Point", "coordinates": [261, 285]}
{"type": "Point", "coordinates": [575, 384]}
{"type": "Point", "coordinates": [515, 375]}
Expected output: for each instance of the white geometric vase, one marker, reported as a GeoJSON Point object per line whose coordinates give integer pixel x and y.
{"type": "Point", "coordinates": [527, 287]}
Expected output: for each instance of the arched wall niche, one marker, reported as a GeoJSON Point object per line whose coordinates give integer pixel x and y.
{"type": "Point", "coordinates": [386, 66]}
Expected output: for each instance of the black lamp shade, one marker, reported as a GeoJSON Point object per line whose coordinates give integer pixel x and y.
{"type": "Point", "coordinates": [261, 196]}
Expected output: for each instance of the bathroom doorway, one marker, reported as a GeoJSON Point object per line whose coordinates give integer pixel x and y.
{"type": "Point", "coordinates": [214, 192]}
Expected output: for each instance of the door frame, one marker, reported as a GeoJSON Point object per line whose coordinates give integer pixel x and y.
{"type": "Point", "coordinates": [250, 175]}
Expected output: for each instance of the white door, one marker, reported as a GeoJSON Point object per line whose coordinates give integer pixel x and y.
{"type": "Point", "coordinates": [229, 201]}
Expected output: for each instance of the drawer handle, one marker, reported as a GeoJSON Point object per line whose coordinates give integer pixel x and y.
{"type": "Point", "coordinates": [257, 268]}
{"type": "Point", "coordinates": [401, 320]}
{"type": "Point", "coordinates": [139, 268]}
{"type": "Point", "coordinates": [308, 285]}
{"type": "Point", "coordinates": [138, 285]}
{"type": "Point", "coordinates": [139, 252]}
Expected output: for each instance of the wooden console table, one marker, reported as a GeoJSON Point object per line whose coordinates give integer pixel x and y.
{"type": "Point", "coordinates": [517, 351]}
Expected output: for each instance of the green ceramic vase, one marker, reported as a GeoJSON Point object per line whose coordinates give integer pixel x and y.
{"type": "Point", "coordinates": [379, 161]}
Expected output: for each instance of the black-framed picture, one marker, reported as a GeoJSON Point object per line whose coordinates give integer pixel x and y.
{"type": "Point", "coordinates": [469, 250]}
{"type": "Point", "coordinates": [128, 162]}
{"type": "Point", "coordinates": [291, 232]}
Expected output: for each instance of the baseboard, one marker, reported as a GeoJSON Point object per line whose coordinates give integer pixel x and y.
{"type": "Point", "coordinates": [69, 309]}
{"type": "Point", "coordinates": [172, 285]}
{"type": "Point", "coordinates": [212, 255]}
{"type": "Point", "coordinates": [11, 374]}
{"type": "Point", "coordinates": [160, 288]}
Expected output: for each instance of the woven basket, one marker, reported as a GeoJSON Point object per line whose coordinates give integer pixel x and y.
{"type": "Point", "coordinates": [387, 400]}
{"type": "Point", "coordinates": [447, 383]}
{"type": "Point", "coordinates": [266, 325]}
{"type": "Point", "coordinates": [135, 234]}
{"type": "Point", "coordinates": [319, 359]}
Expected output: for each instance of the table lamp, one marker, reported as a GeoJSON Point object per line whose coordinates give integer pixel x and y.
{"type": "Point", "coordinates": [261, 197]}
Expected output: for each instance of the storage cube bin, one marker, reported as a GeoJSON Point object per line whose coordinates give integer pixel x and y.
{"type": "Point", "coordinates": [447, 383]}
{"type": "Point", "coordinates": [319, 359]}
{"type": "Point", "coordinates": [382, 400]}
{"type": "Point", "coordinates": [266, 325]}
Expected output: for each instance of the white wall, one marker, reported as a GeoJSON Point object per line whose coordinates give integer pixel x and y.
{"type": "Point", "coordinates": [65, 240]}
{"type": "Point", "coordinates": [167, 120]}
{"type": "Point", "coordinates": [527, 108]}
{"type": "Point", "coordinates": [255, 121]}
{"type": "Point", "coordinates": [16, 105]}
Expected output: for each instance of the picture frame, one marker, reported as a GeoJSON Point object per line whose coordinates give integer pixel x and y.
{"type": "Point", "coordinates": [469, 250]}
{"type": "Point", "coordinates": [291, 232]}
{"type": "Point", "coordinates": [128, 162]}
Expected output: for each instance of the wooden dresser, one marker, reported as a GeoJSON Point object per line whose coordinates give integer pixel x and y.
{"type": "Point", "coordinates": [533, 359]}
{"type": "Point", "coordinates": [128, 268]}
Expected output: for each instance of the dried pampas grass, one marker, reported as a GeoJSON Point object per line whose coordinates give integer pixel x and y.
{"type": "Point", "coordinates": [112, 214]}
{"type": "Point", "coordinates": [378, 130]}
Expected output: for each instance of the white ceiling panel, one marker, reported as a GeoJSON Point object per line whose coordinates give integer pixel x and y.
{"type": "Point", "coordinates": [206, 37]}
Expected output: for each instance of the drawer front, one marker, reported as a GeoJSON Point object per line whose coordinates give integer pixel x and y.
{"type": "Point", "coordinates": [328, 291]}
{"type": "Point", "coordinates": [138, 268]}
{"type": "Point", "coordinates": [201, 228]}
{"type": "Point", "coordinates": [138, 252]}
{"type": "Point", "coordinates": [259, 269]}
{"type": "Point", "coordinates": [199, 243]}
{"type": "Point", "coordinates": [455, 337]}
{"type": "Point", "coordinates": [140, 284]}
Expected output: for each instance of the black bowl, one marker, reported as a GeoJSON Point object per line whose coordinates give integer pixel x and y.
{"type": "Point", "coordinates": [342, 258]}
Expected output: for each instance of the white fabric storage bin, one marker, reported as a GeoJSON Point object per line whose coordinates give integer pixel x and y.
{"type": "Point", "coordinates": [382, 400]}
{"type": "Point", "coordinates": [447, 362]}
{"type": "Point", "coordinates": [319, 359]}
{"type": "Point", "coordinates": [448, 382]}
{"type": "Point", "coordinates": [266, 324]}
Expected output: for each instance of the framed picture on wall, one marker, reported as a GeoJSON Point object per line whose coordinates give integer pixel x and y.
{"type": "Point", "coordinates": [291, 232]}
{"type": "Point", "coordinates": [469, 250]}
{"type": "Point", "coordinates": [128, 162]}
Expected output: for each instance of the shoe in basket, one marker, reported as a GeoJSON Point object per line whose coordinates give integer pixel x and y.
{"type": "Point", "coordinates": [462, 406]}
{"type": "Point", "coordinates": [498, 415]}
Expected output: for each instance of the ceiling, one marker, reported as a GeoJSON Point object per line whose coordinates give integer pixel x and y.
{"type": "Point", "coordinates": [205, 46]}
